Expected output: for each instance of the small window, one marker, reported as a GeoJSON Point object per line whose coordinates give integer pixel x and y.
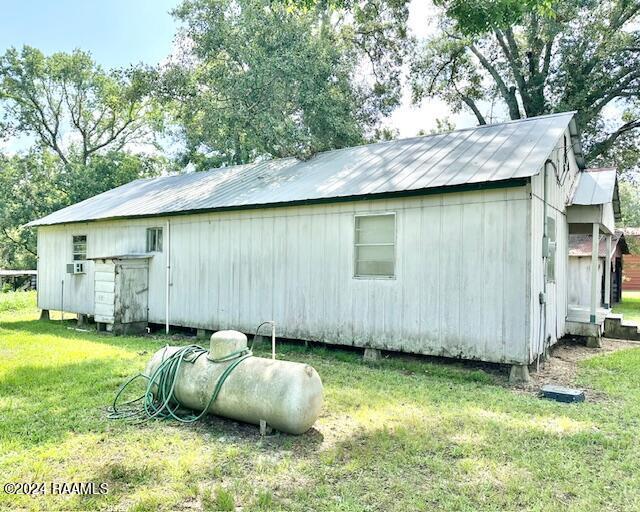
{"type": "Point", "coordinates": [79, 247]}
{"type": "Point", "coordinates": [154, 240]}
{"type": "Point", "coordinates": [375, 245]}
{"type": "Point", "coordinates": [551, 252]}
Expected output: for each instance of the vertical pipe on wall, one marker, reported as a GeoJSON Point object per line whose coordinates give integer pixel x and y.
{"type": "Point", "coordinates": [595, 242]}
{"type": "Point", "coordinates": [62, 301]}
{"type": "Point", "coordinates": [607, 274]}
{"type": "Point", "coordinates": [168, 277]}
{"type": "Point", "coordinates": [542, 300]}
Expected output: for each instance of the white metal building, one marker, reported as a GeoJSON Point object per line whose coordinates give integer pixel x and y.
{"type": "Point", "coordinates": [431, 245]}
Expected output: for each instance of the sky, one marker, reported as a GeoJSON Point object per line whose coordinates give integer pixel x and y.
{"type": "Point", "coordinates": [116, 32]}
{"type": "Point", "coordinates": [123, 32]}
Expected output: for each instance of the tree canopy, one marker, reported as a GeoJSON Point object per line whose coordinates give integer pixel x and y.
{"type": "Point", "coordinates": [72, 106]}
{"type": "Point", "coordinates": [537, 57]}
{"type": "Point", "coordinates": [256, 78]}
{"type": "Point", "coordinates": [79, 121]}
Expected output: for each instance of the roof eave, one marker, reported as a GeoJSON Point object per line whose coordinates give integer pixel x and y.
{"type": "Point", "coordinates": [466, 187]}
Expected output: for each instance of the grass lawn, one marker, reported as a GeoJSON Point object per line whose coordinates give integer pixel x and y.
{"type": "Point", "coordinates": [629, 306]}
{"type": "Point", "coordinates": [400, 435]}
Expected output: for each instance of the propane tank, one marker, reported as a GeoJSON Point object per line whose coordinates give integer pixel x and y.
{"type": "Point", "coordinates": [284, 394]}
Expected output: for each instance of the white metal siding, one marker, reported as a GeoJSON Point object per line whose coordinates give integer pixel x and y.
{"type": "Point", "coordinates": [461, 285]}
{"type": "Point", "coordinates": [558, 197]}
{"type": "Point", "coordinates": [580, 280]}
{"type": "Point", "coordinates": [54, 253]}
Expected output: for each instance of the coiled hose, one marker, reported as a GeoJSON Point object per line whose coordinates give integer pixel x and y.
{"type": "Point", "coordinates": [163, 404]}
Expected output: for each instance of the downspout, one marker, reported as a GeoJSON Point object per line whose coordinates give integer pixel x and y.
{"type": "Point", "coordinates": [168, 278]}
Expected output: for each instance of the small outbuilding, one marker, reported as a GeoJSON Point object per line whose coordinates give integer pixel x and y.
{"type": "Point", "coordinates": [593, 210]}
{"type": "Point", "coordinates": [454, 244]}
{"type": "Point", "coordinates": [18, 279]}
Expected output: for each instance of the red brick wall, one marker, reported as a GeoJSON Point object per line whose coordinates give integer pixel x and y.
{"type": "Point", "coordinates": [631, 272]}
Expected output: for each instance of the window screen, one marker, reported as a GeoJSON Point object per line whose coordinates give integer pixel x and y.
{"type": "Point", "coordinates": [79, 247]}
{"type": "Point", "coordinates": [551, 257]}
{"type": "Point", "coordinates": [154, 240]}
{"type": "Point", "coordinates": [375, 245]}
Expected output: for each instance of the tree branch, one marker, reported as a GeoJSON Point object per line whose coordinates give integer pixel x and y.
{"type": "Point", "coordinates": [508, 93]}
{"type": "Point", "coordinates": [17, 242]}
{"type": "Point", "coordinates": [512, 54]}
{"type": "Point", "coordinates": [472, 105]}
{"type": "Point", "coordinates": [603, 146]}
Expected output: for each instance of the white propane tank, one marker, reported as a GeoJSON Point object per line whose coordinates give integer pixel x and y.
{"type": "Point", "coordinates": [287, 395]}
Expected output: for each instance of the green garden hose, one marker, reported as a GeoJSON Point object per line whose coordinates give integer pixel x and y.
{"type": "Point", "coordinates": [163, 404]}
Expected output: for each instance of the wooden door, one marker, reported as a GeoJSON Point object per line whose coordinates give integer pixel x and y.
{"type": "Point", "coordinates": [133, 299]}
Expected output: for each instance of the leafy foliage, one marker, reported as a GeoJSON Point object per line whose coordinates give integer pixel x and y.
{"type": "Point", "coordinates": [72, 106]}
{"type": "Point", "coordinates": [82, 121]}
{"type": "Point", "coordinates": [630, 204]}
{"type": "Point", "coordinates": [253, 79]}
{"type": "Point", "coordinates": [538, 57]}
{"type": "Point", "coordinates": [262, 79]}
{"type": "Point", "coordinates": [481, 16]}
{"type": "Point", "coordinates": [38, 183]}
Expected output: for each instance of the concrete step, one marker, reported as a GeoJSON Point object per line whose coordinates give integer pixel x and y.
{"type": "Point", "coordinates": [615, 327]}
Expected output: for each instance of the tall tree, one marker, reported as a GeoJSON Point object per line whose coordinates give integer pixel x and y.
{"type": "Point", "coordinates": [257, 78]}
{"type": "Point", "coordinates": [37, 183]}
{"type": "Point", "coordinates": [26, 192]}
{"type": "Point", "coordinates": [72, 106]}
{"type": "Point", "coordinates": [537, 57]}
{"type": "Point", "coordinates": [81, 121]}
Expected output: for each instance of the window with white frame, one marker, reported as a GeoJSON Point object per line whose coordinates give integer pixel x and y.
{"type": "Point", "coordinates": [551, 250]}
{"type": "Point", "coordinates": [375, 250]}
{"type": "Point", "coordinates": [154, 239]}
{"type": "Point", "coordinates": [79, 247]}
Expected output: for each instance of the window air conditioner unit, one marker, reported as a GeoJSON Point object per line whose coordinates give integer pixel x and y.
{"type": "Point", "coordinates": [77, 267]}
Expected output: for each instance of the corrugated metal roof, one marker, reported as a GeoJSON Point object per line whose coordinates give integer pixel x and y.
{"type": "Point", "coordinates": [580, 245]}
{"type": "Point", "coordinates": [5, 273]}
{"type": "Point", "coordinates": [489, 153]}
{"type": "Point", "coordinates": [595, 186]}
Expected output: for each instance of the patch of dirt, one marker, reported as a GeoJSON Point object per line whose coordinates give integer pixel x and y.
{"type": "Point", "coordinates": [562, 367]}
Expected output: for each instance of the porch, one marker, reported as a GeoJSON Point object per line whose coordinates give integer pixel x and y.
{"type": "Point", "coordinates": [594, 209]}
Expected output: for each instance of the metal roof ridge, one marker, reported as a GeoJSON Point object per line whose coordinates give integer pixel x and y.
{"type": "Point", "coordinates": [371, 144]}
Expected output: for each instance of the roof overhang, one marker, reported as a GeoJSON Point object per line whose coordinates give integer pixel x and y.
{"type": "Point", "coordinates": [580, 245]}
{"type": "Point", "coordinates": [468, 187]}
{"type": "Point", "coordinates": [141, 256]}
{"type": "Point", "coordinates": [598, 187]}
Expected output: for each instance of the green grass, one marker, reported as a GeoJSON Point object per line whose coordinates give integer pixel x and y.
{"type": "Point", "coordinates": [400, 435]}
{"type": "Point", "coordinates": [17, 301]}
{"type": "Point", "coordinates": [629, 306]}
